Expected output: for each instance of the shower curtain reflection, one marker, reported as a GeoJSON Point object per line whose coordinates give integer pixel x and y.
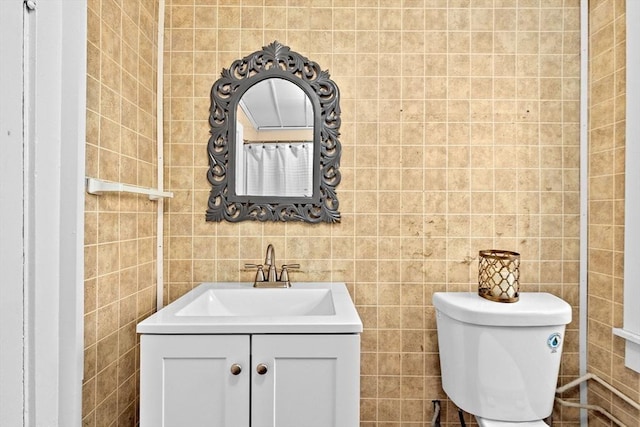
{"type": "Point", "coordinates": [277, 169]}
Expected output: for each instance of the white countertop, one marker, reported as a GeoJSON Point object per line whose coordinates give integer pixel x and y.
{"type": "Point", "coordinates": [200, 311]}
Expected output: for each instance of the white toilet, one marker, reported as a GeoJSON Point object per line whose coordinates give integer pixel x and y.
{"type": "Point", "coordinates": [500, 361]}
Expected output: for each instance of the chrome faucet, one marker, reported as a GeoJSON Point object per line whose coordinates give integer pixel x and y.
{"type": "Point", "coordinates": [271, 280]}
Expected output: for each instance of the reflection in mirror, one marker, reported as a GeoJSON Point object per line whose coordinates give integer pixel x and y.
{"type": "Point", "coordinates": [274, 141]}
{"type": "Point", "coordinates": [272, 98]}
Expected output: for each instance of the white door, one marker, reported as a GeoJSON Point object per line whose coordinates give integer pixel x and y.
{"type": "Point", "coordinates": [11, 216]}
{"type": "Point", "coordinates": [42, 136]}
{"type": "Point", "coordinates": [305, 380]}
{"type": "Point", "coordinates": [193, 380]}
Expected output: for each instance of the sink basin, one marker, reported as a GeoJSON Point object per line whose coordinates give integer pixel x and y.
{"type": "Point", "coordinates": [261, 302]}
{"type": "Point", "coordinates": [305, 307]}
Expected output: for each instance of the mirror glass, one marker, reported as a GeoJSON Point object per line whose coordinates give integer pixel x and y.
{"type": "Point", "coordinates": [274, 141]}
{"type": "Point", "coordinates": [274, 148]}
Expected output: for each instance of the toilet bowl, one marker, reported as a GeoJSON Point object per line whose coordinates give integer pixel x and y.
{"type": "Point", "coordinates": [500, 361]}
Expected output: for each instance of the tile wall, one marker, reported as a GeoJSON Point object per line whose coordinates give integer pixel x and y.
{"type": "Point", "coordinates": [120, 230]}
{"type": "Point", "coordinates": [607, 59]}
{"type": "Point", "coordinates": [460, 132]}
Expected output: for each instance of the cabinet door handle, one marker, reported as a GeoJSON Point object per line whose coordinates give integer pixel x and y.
{"type": "Point", "coordinates": [261, 369]}
{"type": "Point", "coordinates": [236, 369]}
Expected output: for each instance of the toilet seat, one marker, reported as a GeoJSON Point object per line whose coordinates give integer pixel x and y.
{"type": "Point", "coordinates": [484, 422]}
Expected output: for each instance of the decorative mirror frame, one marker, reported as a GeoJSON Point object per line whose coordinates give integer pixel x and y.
{"type": "Point", "coordinates": [274, 60]}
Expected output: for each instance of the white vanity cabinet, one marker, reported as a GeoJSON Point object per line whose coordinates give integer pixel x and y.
{"type": "Point", "coordinates": [185, 380]}
{"type": "Point", "coordinates": [284, 380]}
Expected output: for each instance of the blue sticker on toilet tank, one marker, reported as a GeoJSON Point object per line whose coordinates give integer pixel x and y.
{"type": "Point", "coordinates": [554, 341]}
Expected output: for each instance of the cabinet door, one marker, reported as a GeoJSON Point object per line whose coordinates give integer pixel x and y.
{"type": "Point", "coordinates": [311, 381]}
{"type": "Point", "coordinates": [186, 380]}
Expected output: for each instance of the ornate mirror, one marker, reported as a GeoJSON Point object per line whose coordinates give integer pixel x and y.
{"type": "Point", "coordinates": [274, 152]}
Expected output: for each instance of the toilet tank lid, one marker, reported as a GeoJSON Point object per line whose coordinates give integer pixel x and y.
{"type": "Point", "coordinates": [532, 309]}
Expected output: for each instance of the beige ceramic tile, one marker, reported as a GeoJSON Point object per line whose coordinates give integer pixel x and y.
{"type": "Point", "coordinates": [604, 249]}
{"type": "Point", "coordinates": [433, 166]}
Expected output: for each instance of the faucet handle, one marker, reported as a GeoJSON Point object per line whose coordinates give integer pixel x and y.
{"type": "Point", "coordinates": [259, 272]}
{"type": "Point", "coordinates": [284, 274]}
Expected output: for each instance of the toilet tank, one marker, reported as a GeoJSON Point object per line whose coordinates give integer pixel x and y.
{"type": "Point", "coordinates": [500, 360]}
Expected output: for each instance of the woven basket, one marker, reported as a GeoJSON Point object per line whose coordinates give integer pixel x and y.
{"type": "Point", "coordinates": [499, 275]}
